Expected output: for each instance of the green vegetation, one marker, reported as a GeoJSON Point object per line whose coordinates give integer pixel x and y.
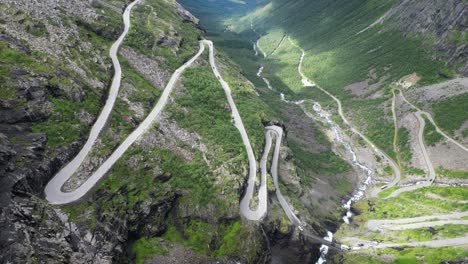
{"type": "Point", "coordinates": [465, 132]}
{"type": "Point", "coordinates": [369, 114]}
{"type": "Point", "coordinates": [388, 191]}
{"type": "Point", "coordinates": [171, 177]}
{"type": "Point", "coordinates": [200, 109]}
{"type": "Point", "coordinates": [68, 91]}
{"type": "Point", "coordinates": [459, 37]}
{"type": "Point", "coordinates": [451, 173]}
{"type": "Point", "coordinates": [193, 178]}
{"type": "Point", "coordinates": [414, 204]}
{"type": "Point", "coordinates": [146, 90]}
{"type": "Point", "coordinates": [145, 35]}
{"type": "Point", "coordinates": [456, 192]}
{"type": "Point", "coordinates": [230, 239]}
{"type": "Point", "coordinates": [36, 28]}
{"type": "Point", "coordinates": [8, 55]}
{"type": "Point", "coordinates": [326, 162]}
{"type": "Point", "coordinates": [11, 59]}
{"type": "Point", "coordinates": [64, 126]}
{"type": "Point", "coordinates": [270, 42]}
{"type": "Point", "coordinates": [431, 136]}
{"type": "Point", "coordinates": [408, 204]}
{"type": "Point", "coordinates": [335, 60]}
{"type": "Point", "coordinates": [420, 255]}
{"type": "Point", "coordinates": [414, 171]}
{"type": "Point", "coordinates": [146, 247]}
{"type": "Point", "coordinates": [196, 235]}
{"type": "Point", "coordinates": [403, 144]}
{"type": "Point", "coordinates": [388, 170]}
{"type": "Point", "coordinates": [281, 68]}
{"type": "Point", "coordinates": [213, 13]}
{"type": "Point", "coordinates": [335, 54]}
{"type": "Point", "coordinates": [451, 113]}
{"type": "Point", "coordinates": [432, 233]}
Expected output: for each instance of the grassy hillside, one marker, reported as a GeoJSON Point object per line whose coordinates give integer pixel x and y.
{"type": "Point", "coordinates": [339, 54]}
{"type": "Point", "coordinates": [423, 202]}
{"type": "Point", "coordinates": [156, 174]}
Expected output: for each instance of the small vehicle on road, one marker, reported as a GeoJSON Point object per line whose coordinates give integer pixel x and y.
{"type": "Point", "coordinates": [345, 247]}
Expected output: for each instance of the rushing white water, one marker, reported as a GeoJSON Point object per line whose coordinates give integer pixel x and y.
{"type": "Point", "coordinates": [361, 190]}
{"type": "Point", "coordinates": [267, 82]}
{"type": "Point", "coordinates": [260, 70]}
{"type": "Point", "coordinates": [255, 48]}
{"type": "Point", "coordinates": [324, 248]}
{"type": "Point", "coordinates": [339, 139]}
{"type": "Point", "coordinates": [354, 160]}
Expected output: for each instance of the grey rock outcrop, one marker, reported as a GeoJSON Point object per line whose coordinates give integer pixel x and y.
{"type": "Point", "coordinates": [444, 23]}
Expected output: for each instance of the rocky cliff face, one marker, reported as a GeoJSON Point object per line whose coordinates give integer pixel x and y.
{"type": "Point", "coordinates": [54, 73]}
{"type": "Point", "coordinates": [441, 23]}
{"type": "Point", "coordinates": [179, 181]}
{"type": "Point", "coordinates": [34, 37]}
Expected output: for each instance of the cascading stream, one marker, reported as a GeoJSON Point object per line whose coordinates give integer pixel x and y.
{"type": "Point", "coordinates": [339, 140]}
{"type": "Point", "coordinates": [354, 160]}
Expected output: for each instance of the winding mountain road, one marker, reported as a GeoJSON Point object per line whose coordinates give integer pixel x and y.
{"type": "Point", "coordinates": [53, 189]}
{"type": "Point", "coordinates": [381, 225]}
{"type": "Point", "coordinates": [417, 222]}
{"type": "Point", "coordinates": [395, 125]}
{"type": "Point", "coordinates": [429, 116]}
{"type": "Point", "coordinates": [277, 132]}
{"type": "Point", "coordinates": [359, 244]}
{"type": "Point", "coordinates": [430, 167]}
{"type": "Point", "coordinates": [55, 195]}
{"type": "Point", "coordinates": [379, 152]}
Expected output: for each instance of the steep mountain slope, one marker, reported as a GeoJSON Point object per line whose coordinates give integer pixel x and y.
{"type": "Point", "coordinates": [344, 50]}
{"type": "Point", "coordinates": [175, 193]}
{"type": "Point", "coordinates": [55, 74]}
{"type": "Point", "coordinates": [393, 72]}
{"type": "Point", "coordinates": [358, 50]}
